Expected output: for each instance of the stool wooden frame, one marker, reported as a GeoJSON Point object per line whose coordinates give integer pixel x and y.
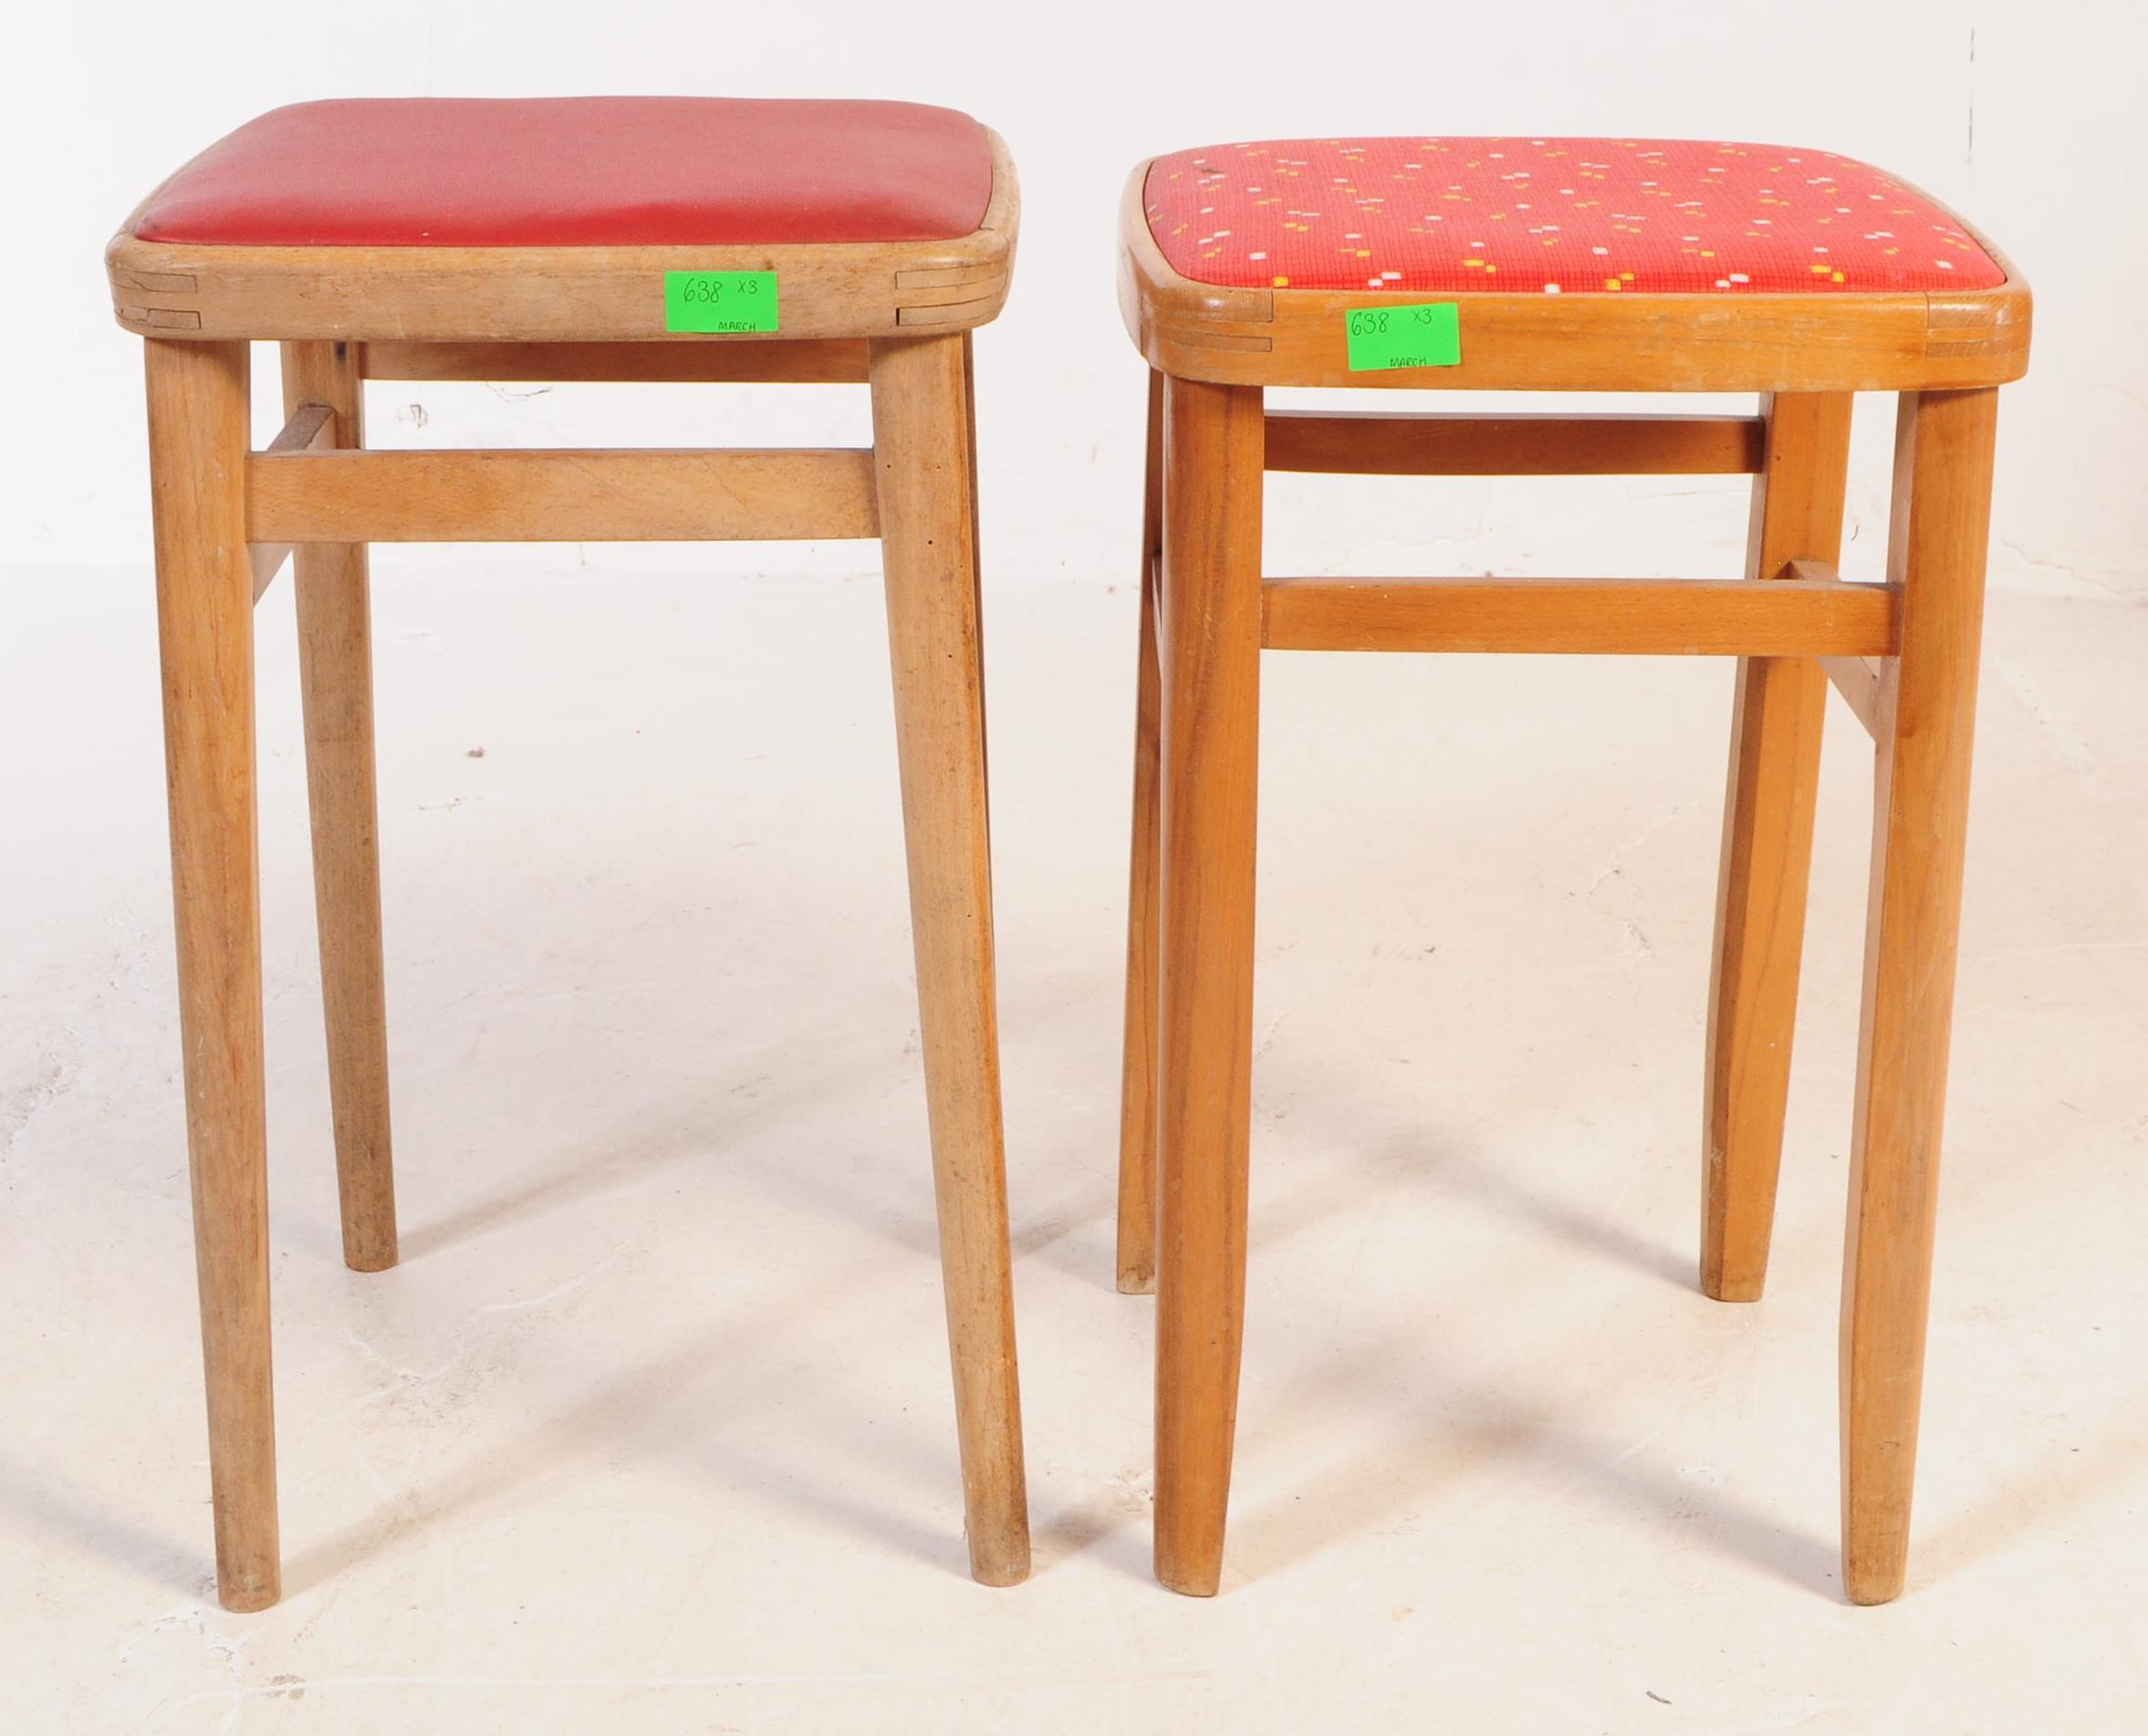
{"type": "Point", "coordinates": [896, 316]}
{"type": "Point", "coordinates": [1903, 653]}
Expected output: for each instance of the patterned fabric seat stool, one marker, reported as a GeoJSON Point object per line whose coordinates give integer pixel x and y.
{"type": "Point", "coordinates": [1573, 265]}
{"type": "Point", "coordinates": [600, 238]}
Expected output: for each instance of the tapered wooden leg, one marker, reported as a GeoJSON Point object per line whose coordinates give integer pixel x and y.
{"type": "Point", "coordinates": [1774, 781]}
{"type": "Point", "coordinates": [198, 442]}
{"type": "Point", "coordinates": [920, 425]}
{"type": "Point", "coordinates": [1209, 634]}
{"type": "Point", "coordinates": [1137, 1090]}
{"type": "Point", "coordinates": [969, 423]}
{"type": "Point", "coordinates": [1941, 518]}
{"type": "Point", "coordinates": [336, 678]}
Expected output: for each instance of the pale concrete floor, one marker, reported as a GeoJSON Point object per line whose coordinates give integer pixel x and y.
{"type": "Point", "coordinates": [650, 1432]}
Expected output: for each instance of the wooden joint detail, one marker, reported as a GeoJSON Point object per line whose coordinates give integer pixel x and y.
{"type": "Point", "coordinates": [312, 428]}
{"type": "Point", "coordinates": [1977, 347]}
{"type": "Point", "coordinates": [1196, 338]}
{"type": "Point", "coordinates": [1382, 443]}
{"type": "Point", "coordinates": [154, 302]}
{"type": "Point", "coordinates": [647, 495]}
{"type": "Point", "coordinates": [157, 282]}
{"type": "Point", "coordinates": [1985, 327]}
{"type": "Point", "coordinates": [1862, 683]}
{"type": "Point", "coordinates": [155, 319]}
{"type": "Point", "coordinates": [1809, 573]}
{"type": "Point", "coordinates": [1625, 617]}
{"type": "Point", "coordinates": [142, 299]}
{"type": "Point", "coordinates": [989, 274]}
{"type": "Point", "coordinates": [267, 560]}
{"type": "Point", "coordinates": [973, 311]}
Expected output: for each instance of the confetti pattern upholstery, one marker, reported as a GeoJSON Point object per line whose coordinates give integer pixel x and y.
{"type": "Point", "coordinates": [1649, 216]}
{"type": "Point", "coordinates": [580, 171]}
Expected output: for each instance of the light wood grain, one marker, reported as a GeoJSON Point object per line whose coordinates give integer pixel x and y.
{"type": "Point", "coordinates": [649, 495]}
{"type": "Point", "coordinates": [1943, 467]}
{"type": "Point", "coordinates": [311, 427]}
{"type": "Point", "coordinates": [1767, 857]}
{"type": "Point", "coordinates": [1137, 1077]}
{"type": "Point", "coordinates": [1209, 633]}
{"type": "Point", "coordinates": [927, 483]}
{"type": "Point", "coordinates": [1577, 342]}
{"type": "Point", "coordinates": [804, 360]}
{"type": "Point", "coordinates": [1380, 443]}
{"type": "Point", "coordinates": [198, 439]}
{"type": "Point", "coordinates": [556, 295]}
{"type": "Point", "coordinates": [1629, 616]}
{"type": "Point", "coordinates": [336, 684]}
{"type": "Point", "coordinates": [969, 421]}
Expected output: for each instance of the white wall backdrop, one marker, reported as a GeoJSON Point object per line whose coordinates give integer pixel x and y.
{"type": "Point", "coordinates": [2023, 116]}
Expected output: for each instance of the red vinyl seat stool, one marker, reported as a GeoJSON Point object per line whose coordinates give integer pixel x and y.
{"type": "Point", "coordinates": [638, 239]}
{"type": "Point", "coordinates": [1572, 265]}
{"type": "Point", "coordinates": [580, 171]}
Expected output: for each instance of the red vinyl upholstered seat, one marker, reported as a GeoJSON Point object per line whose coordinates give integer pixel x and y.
{"type": "Point", "coordinates": [580, 171]}
{"type": "Point", "coordinates": [1556, 215]}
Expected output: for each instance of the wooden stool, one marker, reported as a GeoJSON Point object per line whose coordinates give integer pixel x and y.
{"type": "Point", "coordinates": [1575, 265]}
{"type": "Point", "coordinates": [607, 239]}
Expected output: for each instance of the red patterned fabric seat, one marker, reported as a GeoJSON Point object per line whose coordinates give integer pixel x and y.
{"type": "Point", "coordinates": [1556, 215]}
{"type": "Point", "coordinates": [580, 171]}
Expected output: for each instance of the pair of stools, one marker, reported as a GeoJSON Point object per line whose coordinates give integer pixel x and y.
{"type": "Point", "coordinates": [706, 240]}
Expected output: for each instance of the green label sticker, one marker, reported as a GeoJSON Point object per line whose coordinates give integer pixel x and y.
{"type": "Point", "coordinates": [719, 301]}
{"type": "Point", "coordinates": [1428, 334]}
